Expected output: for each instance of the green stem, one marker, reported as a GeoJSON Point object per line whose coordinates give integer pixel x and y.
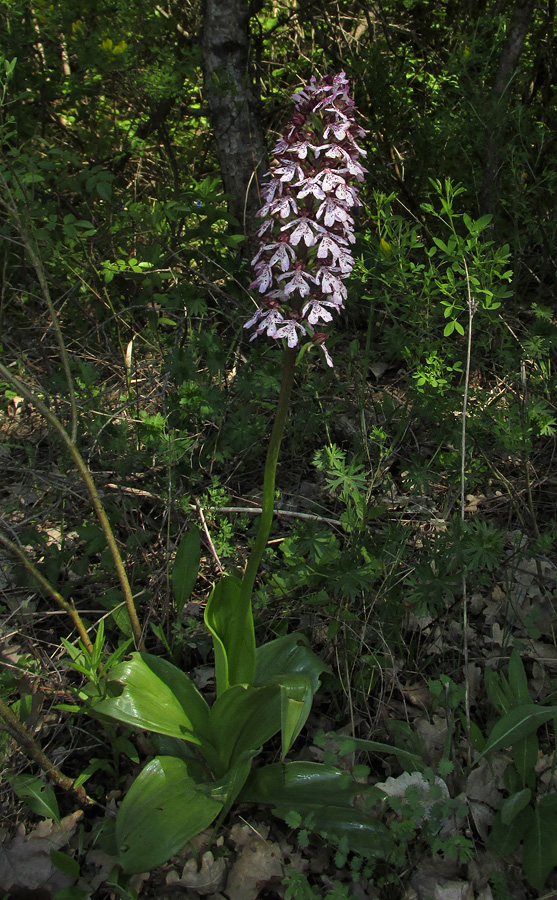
{"type": "Point", "coordinates": [242, 642]}
{"type": "Point", "coordinates": [93, 493]}
{"type": "Point", "coordinates": [267, 506]}
{"type": "Point", "coordinates": [268, 502]}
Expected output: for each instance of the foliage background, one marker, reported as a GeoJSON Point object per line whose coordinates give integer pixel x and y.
{"type": "Point", "coordinates": [111, 180]}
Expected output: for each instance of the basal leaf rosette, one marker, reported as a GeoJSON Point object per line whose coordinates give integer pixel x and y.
{"type": "Point", "coordinates": [307, 230]}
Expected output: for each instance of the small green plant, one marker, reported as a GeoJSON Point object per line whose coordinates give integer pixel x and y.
{"type": "Point", "coordinates": [525, 819]}
{"type": "Point", "coordinates": [297, 887]}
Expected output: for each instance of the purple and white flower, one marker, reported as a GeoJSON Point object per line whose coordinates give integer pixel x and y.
{"type": "Point", "coordinates": [307, 229]}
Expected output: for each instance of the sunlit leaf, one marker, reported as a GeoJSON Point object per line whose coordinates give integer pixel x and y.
{"type": "Point", "coordinates": [231, 624]}
{"type": "Point", "coordinates": [159, 697]}
{"type": "Point", "coordinates": [287, 655]}
{"type": "Point", "coordinates": [161, 812]}
{"type": "Point", "coordinates": [243, 719]}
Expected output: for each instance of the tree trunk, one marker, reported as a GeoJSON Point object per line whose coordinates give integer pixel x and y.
{"type": "Point", "coordinates": [233, 107]}
{"type": "Point", "coordinates": [510, 57]}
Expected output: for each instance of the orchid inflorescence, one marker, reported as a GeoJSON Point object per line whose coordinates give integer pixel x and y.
{"type": "Point", "coordinates": [305, 253]}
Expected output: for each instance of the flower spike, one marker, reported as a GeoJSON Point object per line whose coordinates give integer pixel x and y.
{"type": "Point", "coordinates": [308, 226]}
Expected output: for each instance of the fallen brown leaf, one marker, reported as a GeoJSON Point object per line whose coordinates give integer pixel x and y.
{"type": "Point", "coordinates": [259, 865]}
{"type": "Point", "coordinates": [25, 862]}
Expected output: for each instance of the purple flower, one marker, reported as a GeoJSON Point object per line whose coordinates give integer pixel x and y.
{"type": "Point", "coordinates": [307, 228]}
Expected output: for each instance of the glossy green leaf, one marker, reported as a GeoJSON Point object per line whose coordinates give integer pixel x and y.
{"type": "Point", "coordinates": [336, 802]}
{"type": "Point", "coordinates": [161, 812]}
{"type": "Point", "coordinates": [539, 853]}
{"type": "Point", "coordinates": [233, 635]}
{"type": "Point", "coordinates": [164, 745]}
{"type": "Point", "coordinates": [242, 719]}
{"type": "Point", "coordinates": [515, 804]}
{"type": "Point", "coordinates": [37, 794]}
{"type": "Point", "coordinates": [159, 697]}
{"type": "Point", "coordinates": [186, 567]}
{"type": "Point", "coordinates": [517, 724]}
{"type": "Point", "coordinates": [286, 655]}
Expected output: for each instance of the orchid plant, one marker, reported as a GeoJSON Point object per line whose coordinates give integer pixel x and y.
{"type": "Point", "coordinates": [204, 754]}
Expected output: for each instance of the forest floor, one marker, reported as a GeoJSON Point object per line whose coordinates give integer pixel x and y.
{"type": "Point", "coordinates": [422, 683]}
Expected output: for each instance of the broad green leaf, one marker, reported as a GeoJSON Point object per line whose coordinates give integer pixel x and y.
{"type": "Point", "coordinates": [233, 636]}
{"type": "Point", "coordinates": [159, 697]}
{"type": "Point", "coordinates": [38, 795]}
{"type": "Point", "coordinates": [242, 719]}
{"type": "Point", "coordinates": [515, 804]}
{"type": "Point", "coordinates": [539, 853]}
{"type": "Point", "coordinates": [517, 724]}
{"type": "Point", "coordinates": [286, 655]}
{"type": "Point", "coordinates": [517, 678]}
{"type": "Point", "coordinates": [186, 567]}
{"type": "Point", "coordinates": [337, 804]}
{"type": "Point", "coordinates": [161, 812]}
{"type": "Point", "coordinates": [505, 838]}
{"type": "Point", "coordinates": [164, 745]}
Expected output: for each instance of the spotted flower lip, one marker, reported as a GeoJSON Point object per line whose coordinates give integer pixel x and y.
{"type": "Point", "coordinates": [307, 225]}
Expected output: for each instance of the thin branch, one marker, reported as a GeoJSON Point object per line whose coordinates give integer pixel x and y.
{"type": "Point", "coordinates": [208, 536]}
{"type": "Point", "coordinates": [49, 589]}
{"type": "Point", "coordinates": [472, 307]}
{"type": "Point", "coordinates": [257, 510]}
{"type": "Point", "coordinates": [31, 748]}
{"type": "Point", "coordinates": [96, 501]}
